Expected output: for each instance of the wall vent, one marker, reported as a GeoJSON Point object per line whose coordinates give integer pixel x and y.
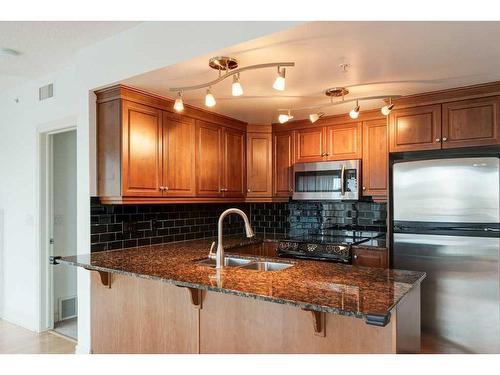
{"type": "Point", "coordinates": [68, 307]}
{"type": "Point", "coordinates": [46, 92]}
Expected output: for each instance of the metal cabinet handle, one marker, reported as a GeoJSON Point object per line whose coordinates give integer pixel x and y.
{"type": "Point", "coordinates": [364, 188]}
{"type": "Point", "coordinates": [327, 154]}
{"type": "Point", "coordinates": [162, 188]}
{"type": "Point", "coordinates": [248, 190]}
{"type": "Point", "coordinates": [165, 188]}
{"type": "Point", "coordinates": [355, 256]}
{"type": "Point", "coordinates": [438, 139]}
{"type": "Point", "coordinates": [445, 139]}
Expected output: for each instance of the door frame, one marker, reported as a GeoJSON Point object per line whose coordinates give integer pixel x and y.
{"type": "Point", "coordinates": [44, 270]}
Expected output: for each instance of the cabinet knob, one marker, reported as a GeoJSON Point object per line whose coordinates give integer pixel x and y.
{"type": "Point", "coordinates": [355, 256]}
{"type": "Point", "coordinates": [323, 154]}
{"type": "Point", "coordinates": [248, 190]}
{"type": "Point", "coordinates": [291, 190]}
{"type": "Point", "coordinates": [438, 139]}
{"type": "Point", "coordinates": [162, 188]}
{"type": "Point", "coordinates": [327, 154]}
{"type": "Point", "coordinates": [364, 188]}
{"type": "Point", "coordinates": [445, 139]}
{"type": "Point", "coordinates": [165, 188]}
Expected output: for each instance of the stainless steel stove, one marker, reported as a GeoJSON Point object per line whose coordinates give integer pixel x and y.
{"type": "Point", "coordinates": [333, 246]}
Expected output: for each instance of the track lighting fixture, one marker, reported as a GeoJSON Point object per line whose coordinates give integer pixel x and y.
{"type": "Point", "coordinates": [236, 88]}
{"type": "Point", "coordinates": [209, 99]}
{"type": "Point", "coordinates": [386, 109]}
{"type": "Point", "coordinates": [355, 111]}
{"type": "Point", "coordinates": [282, 118]}
{"type": "Point", "coordinates": [313, 117]}
{"type": "Point", "coordinates": [279, 83]}
{"type": "Point", "coordinates": [228, 67]}
{"type": "Point", "coordinates": [179, 103]}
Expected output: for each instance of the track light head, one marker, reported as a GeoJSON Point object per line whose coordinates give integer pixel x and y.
{"type": "Point", "coordinates": [179, 103]}
{"type": "Point", "coordinates": [236, 88]}
{"type": "Point", "coordinates": [279, 83]}
{"type": "Point", "coordinates": [386, 109]}
{"type": "Point", "coordinates": [282, 118]}
{"type": "Point", "coordinates": [313, 117]}
{"type": "Point", "coordinates": [209, 99]}
{"type": "Point", "coordinates": [355, 111]}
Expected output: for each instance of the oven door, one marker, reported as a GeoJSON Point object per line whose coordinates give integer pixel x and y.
{"type": "Point", "coordinates": [329, 180]}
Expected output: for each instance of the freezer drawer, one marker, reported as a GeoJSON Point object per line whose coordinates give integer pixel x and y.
{"type": "Point", "coordinates": [461, 293]}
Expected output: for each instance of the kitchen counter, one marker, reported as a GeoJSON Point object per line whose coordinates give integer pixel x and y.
{"type": "Point", "coordinates": [366, 293]}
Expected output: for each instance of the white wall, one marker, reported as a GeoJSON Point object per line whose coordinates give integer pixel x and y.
{"type": "Point", "coordinates": [64, 211]}
{"type": "Point", "coordinates": [146, 47]}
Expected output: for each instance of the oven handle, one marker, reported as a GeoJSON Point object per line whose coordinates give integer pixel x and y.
{"type": "Point", "coordinates": [342, 182]}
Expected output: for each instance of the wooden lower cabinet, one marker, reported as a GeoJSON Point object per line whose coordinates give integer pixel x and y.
{"type": "Point", "coordinates": [370, 258]}
{"type": "Point", "coordinates": [135, 315]}
{"type": "Point", "coordinates": [142, 316]}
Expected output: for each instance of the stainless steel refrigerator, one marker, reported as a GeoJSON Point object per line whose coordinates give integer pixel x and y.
{"type": "Point", "coordinates": [446, 223]}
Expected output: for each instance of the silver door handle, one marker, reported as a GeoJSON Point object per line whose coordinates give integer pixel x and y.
{"type": "Point", "coordinates": [342, 182]}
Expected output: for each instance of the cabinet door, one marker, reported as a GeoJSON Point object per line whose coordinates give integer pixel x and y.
{"type": "Point", "coordinates": [370, 258]}
{"type": "Point", "coordinates": [283, 163]}
{"type": "Point", "coordinates": [234, 163]}
{"type": "Point", "coordinates": [259, 165]}
{"type": "Point", "coordinates": [471, 123]}
{"type": "Point", "coordinates": [343, 141]}
{"type": "Point", "coordinates": [310, 145]}
{"type": "Point", "coordinates": [375, 154]}
{"type": "Point", "coordinates": [141, 150]}
{"type": "Point", "coordinates": [178, 155]}
{"type": "Point", "coordinates": [208, 159]}
{"type": "Point", "coordinates": [414, 129]}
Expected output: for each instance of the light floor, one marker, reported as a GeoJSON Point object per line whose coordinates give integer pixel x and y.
{"type": "Point", "coordinates": [67, 328]}
{"type": "Point", "coordinates": [18, 340]}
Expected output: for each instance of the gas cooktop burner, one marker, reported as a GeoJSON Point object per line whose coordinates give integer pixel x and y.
{"type": "Point", "coordinates": [332, 246]}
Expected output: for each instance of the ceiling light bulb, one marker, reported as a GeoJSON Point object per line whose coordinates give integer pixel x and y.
{"type": "Point", "coordinates": [209, 99]}
{"type": "Point", "coordinates": [236, 88]}
{"type": "Point", "coordinates": [279, 83]}
{"type": "Point", "coordinates": [179, 103]}
{"type": "Point", "coordinates": [313, 117]}
{"type": "Point", "coordinates": [284, 117]}
{"type": "Point", "coordinates": [386, 109]}
{"type": "Point", "coordinates": [354, 112]}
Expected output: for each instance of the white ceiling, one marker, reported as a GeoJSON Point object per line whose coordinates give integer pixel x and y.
{"type": "Point", "coordinates": [442, 54]}
{"type": "Point", "coordinates": [45, 47]}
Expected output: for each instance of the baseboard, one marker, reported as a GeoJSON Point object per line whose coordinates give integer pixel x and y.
{"type": "Point", "coordinates": [80, 349]}
{"type": "Point", "coordinates": [19, 323]}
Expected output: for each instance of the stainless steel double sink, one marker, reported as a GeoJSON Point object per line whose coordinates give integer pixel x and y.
{"type": "Point", "coordinates": [247, 264]}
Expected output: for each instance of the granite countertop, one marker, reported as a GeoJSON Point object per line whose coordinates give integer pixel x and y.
{"type": "Point", "coordinates": [366, 293]}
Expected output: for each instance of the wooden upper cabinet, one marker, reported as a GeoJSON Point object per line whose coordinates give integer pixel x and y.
{"type": "Point", "coordinates": [283, 160]}
{"type": "Point", "coordinates": [375, 158]}
{"type": "Point", "coordinates": [414, 129]}
{"type": "Point", "coordinates": [343, 141]}
{"type": "Point", "coordinates": [209, 159]}
{"type": "Point", "coordinates": [178, 155]}
{"type": "Point", "coordinates": [233, 182]}
{"type": "Point", "coordinates": [310, 145]}
{"type": "Point", "coordinates": [259, 165]}
{"type": "Point", "coordinates": [141, 150]}
{"type": "Point", "coordinates": [473, 122]}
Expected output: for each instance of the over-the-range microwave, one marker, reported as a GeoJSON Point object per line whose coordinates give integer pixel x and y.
{"type": "Point", "coordinates": [326, 180]}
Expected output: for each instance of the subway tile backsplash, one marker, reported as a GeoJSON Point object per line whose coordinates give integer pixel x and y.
{"type": "Point", "coordinates": [120, 226]}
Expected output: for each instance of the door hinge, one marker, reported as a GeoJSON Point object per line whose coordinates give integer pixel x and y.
{"type": "Point", "coordinates": [51, 241]}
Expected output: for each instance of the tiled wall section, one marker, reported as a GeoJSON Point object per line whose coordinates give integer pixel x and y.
{"type": "Point", "coordinates": [115, 226]}
{"type": "Point", "coordinates": [310, 217]}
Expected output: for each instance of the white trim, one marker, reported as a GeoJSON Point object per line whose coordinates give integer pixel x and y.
{"type": "Point", "coordinates": [44, 276]}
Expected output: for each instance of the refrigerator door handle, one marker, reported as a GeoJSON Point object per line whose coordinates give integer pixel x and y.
{"type": "Point", "coordinates": [342, 180]}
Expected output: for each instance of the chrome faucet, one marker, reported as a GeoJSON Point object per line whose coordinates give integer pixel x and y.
{"type": "Point", "coordinates": [219, 256]}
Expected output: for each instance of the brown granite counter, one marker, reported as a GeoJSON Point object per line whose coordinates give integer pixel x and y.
{"type": "Point", "coordinates": [328, 287]}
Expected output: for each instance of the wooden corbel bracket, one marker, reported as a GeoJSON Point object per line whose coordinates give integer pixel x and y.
{"type": "Point", "coordinates": [318, 319]}
{"type": "Point", "coordinates": [105, 277]}
{"type": "Point", "coordinates": [196, 296]}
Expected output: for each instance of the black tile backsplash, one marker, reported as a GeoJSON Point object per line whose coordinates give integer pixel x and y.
{"type": "Point", "coordinates": [117, 226]}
